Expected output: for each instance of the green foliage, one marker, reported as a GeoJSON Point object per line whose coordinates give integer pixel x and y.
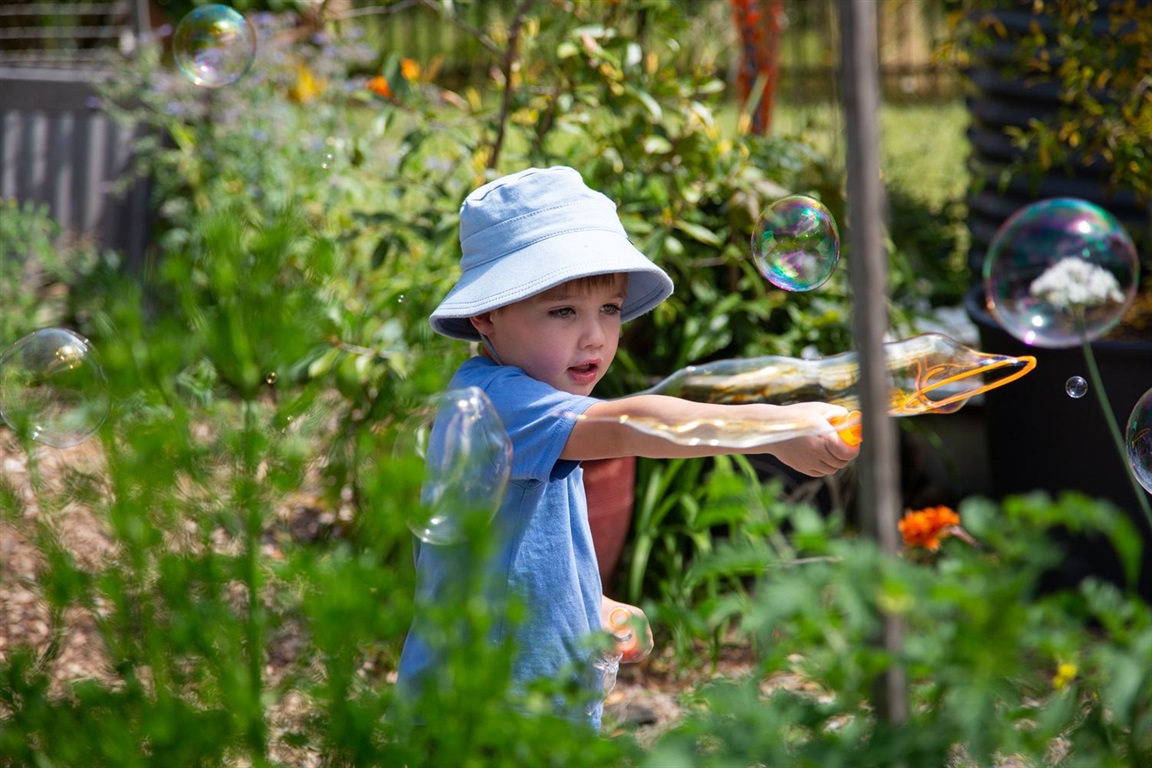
{"type": "Point", "coordinates": [39, 270]}
{"type": "Point", "coordinates": [237, 617]}
{"type": "Point", "coordinates": [996, 668]}
{"type": "Point", "coordinates": [253, 583]}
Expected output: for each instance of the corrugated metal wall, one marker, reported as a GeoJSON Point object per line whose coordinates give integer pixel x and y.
{"type": "Point", "coordinates": [56, 147]}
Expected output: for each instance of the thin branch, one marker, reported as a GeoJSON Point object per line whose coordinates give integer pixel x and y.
{"type": "Point", "coordinates": [509, 61]}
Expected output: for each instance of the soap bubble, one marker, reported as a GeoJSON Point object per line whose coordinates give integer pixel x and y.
{"type": "Point", "coordinates": [1076, 387]}
{"type": "Point", "coordinates": [214, 46]}
{"type": "Point", "coordinates": [1138, 439]}
{"type": "Point", "coordinates": [52, 388]}
{"type": "Point", "coordinates": [467, 461]}
{"type": "Point", "coordinates": [796, 243]}
{"type": "Point", "coordinates": [1060, 272]}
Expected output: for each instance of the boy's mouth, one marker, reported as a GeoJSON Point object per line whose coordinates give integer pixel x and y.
{"type": "Point", "coordinates": [584, 372]}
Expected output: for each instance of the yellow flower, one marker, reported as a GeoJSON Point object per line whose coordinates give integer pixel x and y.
{"type": "Point", "coordinates": [307, 86]}
{"type": "Point", "coordinates": [409, 69]}
{"type": "Point", "coordinates": [1065, 673]}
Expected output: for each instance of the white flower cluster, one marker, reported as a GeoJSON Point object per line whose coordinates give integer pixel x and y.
{"type": "Point", "coordinates": [1074, 282]}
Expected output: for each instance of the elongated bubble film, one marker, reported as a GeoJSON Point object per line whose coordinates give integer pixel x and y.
{"type": "Point", "coordinates": [929, 373]}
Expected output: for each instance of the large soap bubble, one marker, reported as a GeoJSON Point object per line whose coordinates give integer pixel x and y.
{"type": "Point", "coordinates": [214, 46]}
{"type": "Point", "coordinates": [796, 243]}
{"type": "Point", "coordinates": [1060, 272]}
{"type": "Point", "coordinates": [467, 461]}
{"type": "Point", "coordinates": [1138, 440]}
{"type": "Point", "coordinates": [52, 388]}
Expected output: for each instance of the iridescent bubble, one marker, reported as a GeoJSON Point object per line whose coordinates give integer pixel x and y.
{"type": "Point", "coordinates": [796, 243]}
{"type": "Point", "coordinates": [467, 461]}
{"type": "Point", "coordinates": [214, 46]}
{"type": "Point", "coordinates": [1059, 272]}
{"type": "Point", "coordinates": [1076, 387]}
{"type": "Point", "coordinates": [52, 388]}
{"type": "Point", "coordinates": [1138, 440]}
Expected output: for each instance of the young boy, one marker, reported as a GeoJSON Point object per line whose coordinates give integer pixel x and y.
{"type": "Point", "coordinates": [548, 277]}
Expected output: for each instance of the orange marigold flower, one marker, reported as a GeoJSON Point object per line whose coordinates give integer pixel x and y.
{"type": "Point", "coordinates": [379, 86]}
{"type": "Point", "coordinates": [926, 527]}
{"type": "Point", "coordinates": [409, 69]}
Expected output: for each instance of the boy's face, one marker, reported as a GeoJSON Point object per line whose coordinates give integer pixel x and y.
{"type": "Point", "coordinates": [566, 336]}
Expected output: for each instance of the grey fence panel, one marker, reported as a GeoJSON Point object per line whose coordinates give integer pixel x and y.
{"type": "Point", "coordinates": [58, 149]}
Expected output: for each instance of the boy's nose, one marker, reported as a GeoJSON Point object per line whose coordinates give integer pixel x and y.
{"type": "Point", "coordinates": [593, 335]}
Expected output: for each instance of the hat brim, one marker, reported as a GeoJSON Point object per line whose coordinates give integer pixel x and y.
{"type": "Point", "coordinates": [546, 264]}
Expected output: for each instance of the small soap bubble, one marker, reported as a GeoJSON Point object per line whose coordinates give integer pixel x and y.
{"type": "Point", "coordinates": [796, 243]}
{"type": "Point", "coordinates": [1076, 387]}
{"type": "Point", "coordinates": [327, 160]}
{"type": "Point", "coordinates": [270, 377]}
{"type": "Point", "coordinates": [214, 46]}
{"type": "Point", "coordinates": [52, 388]}
{"type": "Point", "coordinates": [467, 459]}
{"type": "Point", "coordinates": [1060, 272]}
{"type": "Point", "coordinates": [1138, 440]}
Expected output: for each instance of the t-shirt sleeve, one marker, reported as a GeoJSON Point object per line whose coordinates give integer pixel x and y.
{"type": "Point", "coordinates": [538, 419]}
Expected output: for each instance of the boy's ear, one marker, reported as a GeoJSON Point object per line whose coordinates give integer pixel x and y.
{"type": "Point", "coordinates": [482, 323]}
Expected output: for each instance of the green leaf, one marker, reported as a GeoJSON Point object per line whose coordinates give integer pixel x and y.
{"type": "Point", "coordinates": [698, 233]}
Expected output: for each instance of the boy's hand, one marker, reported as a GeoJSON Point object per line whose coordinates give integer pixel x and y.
{"type": "Point", "coordinates": [628, 621]}
{"type": "Point", "coordinates": [820, 454]}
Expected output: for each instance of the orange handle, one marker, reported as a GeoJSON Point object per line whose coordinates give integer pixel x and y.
{"type": "Point", "coordinates": [852, 434]}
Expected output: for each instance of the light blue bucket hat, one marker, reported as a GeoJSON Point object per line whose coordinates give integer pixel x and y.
{"type": "Point", "coordinates": [525, 233]}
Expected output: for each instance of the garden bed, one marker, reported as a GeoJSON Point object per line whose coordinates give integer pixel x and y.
{"type": "Point", "coordinates": [646, 700]}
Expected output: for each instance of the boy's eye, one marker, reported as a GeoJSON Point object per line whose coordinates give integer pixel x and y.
{"type": "Point", "coordinates": [610, 309]}
{"type": "Point", "coordinates": [562, 312]}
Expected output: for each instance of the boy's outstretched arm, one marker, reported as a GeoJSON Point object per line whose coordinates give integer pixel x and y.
{"type": "Point", "coordinates": [601, 434]}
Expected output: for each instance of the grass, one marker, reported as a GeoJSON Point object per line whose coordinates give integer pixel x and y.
{"type": "Point", "coordinates": [923, 150]}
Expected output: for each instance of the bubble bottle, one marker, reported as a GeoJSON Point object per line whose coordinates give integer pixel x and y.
{"type": "Point", "coordinates": [628, 645]}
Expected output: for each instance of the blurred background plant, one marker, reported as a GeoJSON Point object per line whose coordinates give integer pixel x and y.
{"type": "Point", "coordinates": [243, 581]}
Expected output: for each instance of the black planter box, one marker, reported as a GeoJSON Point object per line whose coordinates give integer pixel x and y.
{"type": "Point", "coordinates": [1040, 438]}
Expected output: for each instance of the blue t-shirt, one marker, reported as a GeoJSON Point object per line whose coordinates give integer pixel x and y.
{"type": "Point", "coordinates": [544, 546]}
